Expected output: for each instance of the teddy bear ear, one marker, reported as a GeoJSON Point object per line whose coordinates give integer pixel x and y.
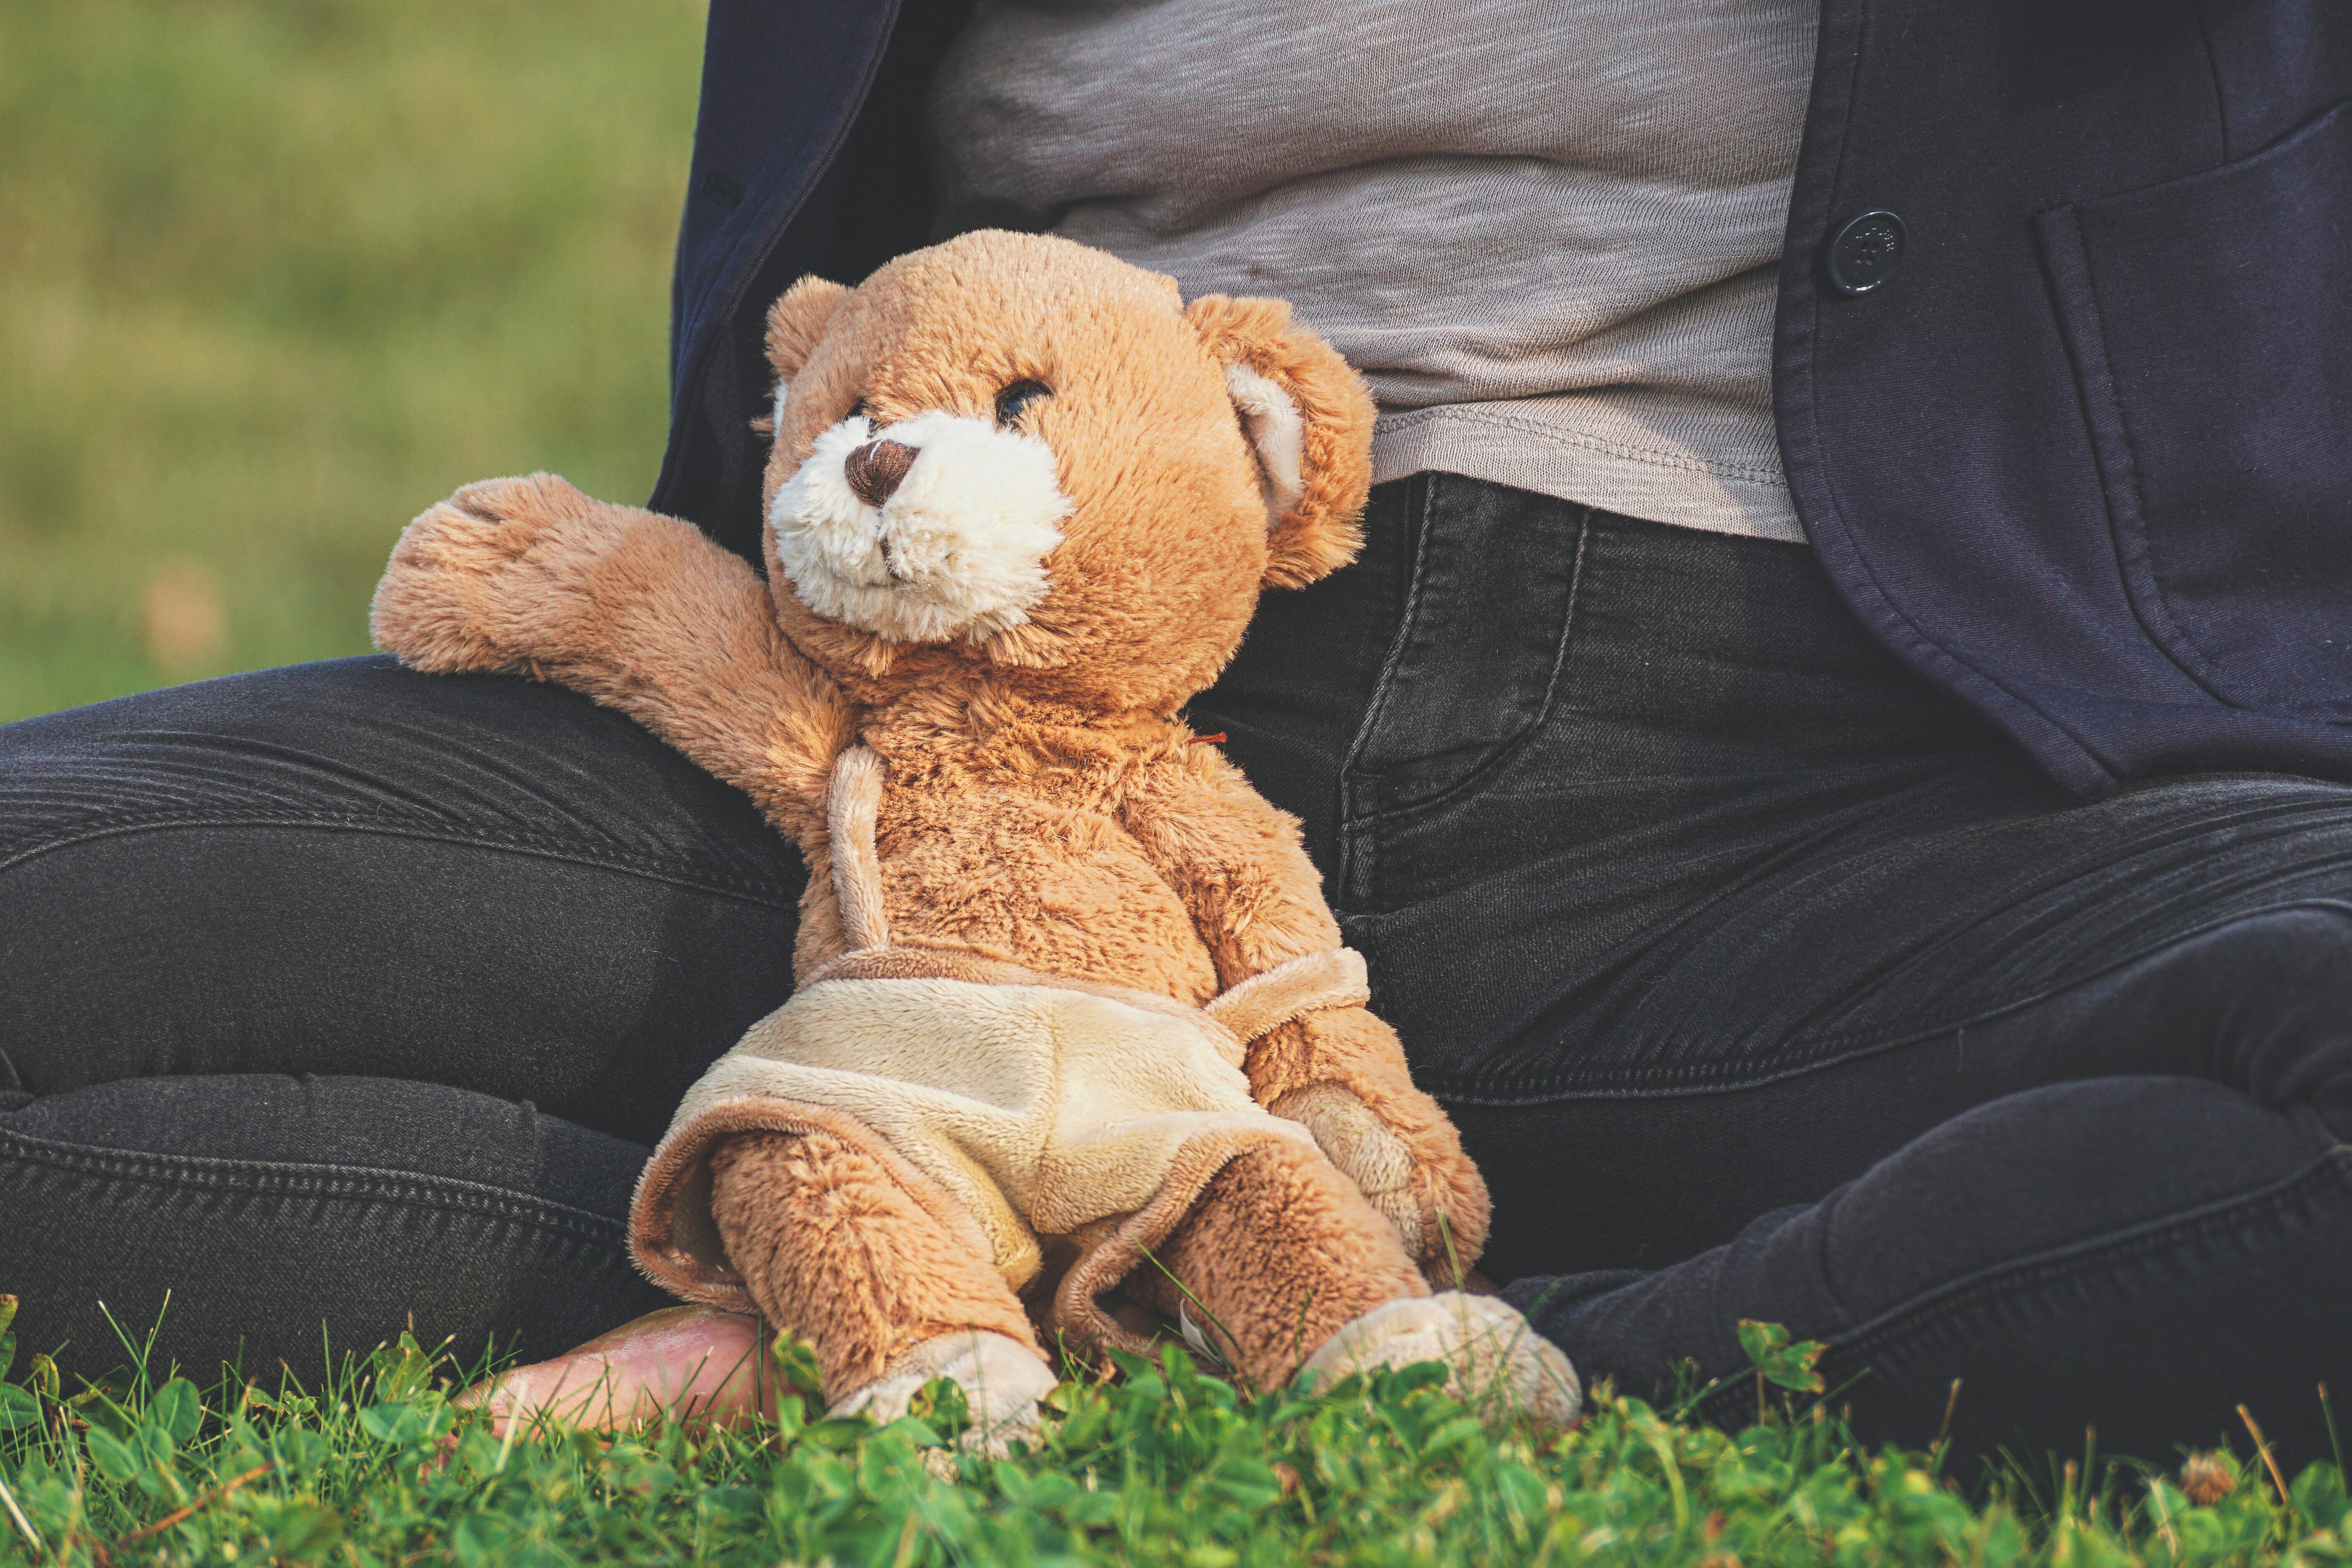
{"type": "Point", "coordinates": [798, 320]}
{"type": "Point", "coordinates": [1310, 419]}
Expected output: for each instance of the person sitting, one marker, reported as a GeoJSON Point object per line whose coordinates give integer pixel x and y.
{"type": "Point", "coordinates": [1835, 749]}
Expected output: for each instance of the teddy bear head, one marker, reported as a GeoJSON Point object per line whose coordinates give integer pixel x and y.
{"type": "Point", "coordinates": [1015, 459]}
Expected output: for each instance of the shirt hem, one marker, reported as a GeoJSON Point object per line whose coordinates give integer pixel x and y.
{"type": "Point", "coordinates": [1682, 489]}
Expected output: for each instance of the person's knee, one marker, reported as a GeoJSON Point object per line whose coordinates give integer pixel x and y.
{"type": "Point", "coordinates": [2266, 1000]}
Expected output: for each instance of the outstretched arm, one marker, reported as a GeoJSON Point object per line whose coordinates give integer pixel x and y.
{"type": "Point", "coordinates": [1255, 897]}
{"type": "Point", "coordinates": [639, 611]}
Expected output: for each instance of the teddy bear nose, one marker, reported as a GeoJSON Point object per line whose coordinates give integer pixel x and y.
{"type": "Point", "coordinates": [875, 469]}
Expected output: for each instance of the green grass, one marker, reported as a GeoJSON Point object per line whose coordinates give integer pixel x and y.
{"type": "Point", "coordinates": [276, 275]}
{"type": "Point", "coordinates": [1160, 1465]}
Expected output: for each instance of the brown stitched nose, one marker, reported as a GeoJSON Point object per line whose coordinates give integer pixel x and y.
{"type": "Point", "coordinates": [875, 469]}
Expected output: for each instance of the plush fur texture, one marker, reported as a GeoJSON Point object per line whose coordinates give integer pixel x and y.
{"type": "Point", "coordinates": [1035, 1105]}
{"type": "Point", "coordinates": [957, 548]}
{"type": "Point", "coordinates": [831, 1243]}
{"type": "Point", "coordinates": [1265, 1309]}
{"type": "Point", "coordinates": [641, 612]}
{"type": "Point", "coordinates": [1273, 423]}
{"type": "Point", "coordinates": [1044, 804]}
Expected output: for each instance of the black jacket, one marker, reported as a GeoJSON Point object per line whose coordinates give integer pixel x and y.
{"type": "Point", "coordinates": [2083, 455]}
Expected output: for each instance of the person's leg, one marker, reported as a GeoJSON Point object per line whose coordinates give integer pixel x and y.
{"type": "Point", "coordinates": [452, 897]}
{"type": "Point", "coordinates": [2137, 1256]}
{"type": "Point", "coordinates": [347, 867]}
{"type": "Point", "coordinates": [260, 1218]}
{"type": "Point", "coordinates": [1692, 904]}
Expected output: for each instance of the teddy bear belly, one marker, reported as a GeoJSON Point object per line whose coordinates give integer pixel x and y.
{"type": "Point", "coordinates": [1068, 897]}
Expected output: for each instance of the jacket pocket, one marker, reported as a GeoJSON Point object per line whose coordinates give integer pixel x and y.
{"type": "Point", "coordinates": [2210, 322]}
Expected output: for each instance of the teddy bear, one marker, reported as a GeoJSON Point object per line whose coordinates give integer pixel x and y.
{"type": "Point", "coordinates": [1076, 1049]}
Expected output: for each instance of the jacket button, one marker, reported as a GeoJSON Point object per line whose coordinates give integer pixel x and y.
{"type": "Point", "coordinates": [1867, 251]}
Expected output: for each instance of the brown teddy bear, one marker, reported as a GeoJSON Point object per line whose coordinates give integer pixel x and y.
{"type": "Point", "coordinates": [1074, 1023]}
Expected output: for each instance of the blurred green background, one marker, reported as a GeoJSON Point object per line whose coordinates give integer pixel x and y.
{"type": "Point", "coordinates": [276, 275]}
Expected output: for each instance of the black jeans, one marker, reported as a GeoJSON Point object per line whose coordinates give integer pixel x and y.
{"type": "Point", "coordinates": [1763, 980]}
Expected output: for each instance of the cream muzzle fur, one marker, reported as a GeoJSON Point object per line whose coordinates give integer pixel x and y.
{"type": "Point", "coordinates": [958, 548]}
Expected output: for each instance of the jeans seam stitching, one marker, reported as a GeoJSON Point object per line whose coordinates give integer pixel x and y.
{"type": "Point", "coordinates": [623, 861]}
{"type": "Point", "coordinates": [2058, 1263]}
{"type": "Point", "coordinates": [264, 1178]}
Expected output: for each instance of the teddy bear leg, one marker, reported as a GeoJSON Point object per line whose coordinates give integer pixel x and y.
{"type": "Point", "coordinates": [834, 1250]}
{"type": "Point", "coordinates": [1304, 1278]}
{"type": "Point", "coordinates": [1278, 1253]}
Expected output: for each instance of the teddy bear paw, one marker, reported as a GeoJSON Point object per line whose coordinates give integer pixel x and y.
{"type": "Point", "coordinates": [438, 605]}
{"type": "Point", "coordinates": [1498, 1359]}
{"type": "Point", "coordinates": [1002, 1380]}
{"type": "Point", "coordinates": [1367, 1152]}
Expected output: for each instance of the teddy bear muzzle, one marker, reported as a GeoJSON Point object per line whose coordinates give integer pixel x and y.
{"type": "Point", "coordinates": [935, 527]}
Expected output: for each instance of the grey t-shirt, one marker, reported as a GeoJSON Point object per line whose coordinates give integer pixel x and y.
{"type": "Point", "coordinates": [1545, 230]}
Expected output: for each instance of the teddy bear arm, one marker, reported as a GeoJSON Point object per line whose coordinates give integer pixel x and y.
{"type": "Point", "coordinates": [726, 688]}
{"type": "Point", "coordinates": [1342, 1073]}
{"type": "Point", "coordinates": [1237, 863]}
{"type": "Point", "coordinates": [641, 612]}
{"type": "Point", "coordinates": [1240, 867]}
{"type": "Point", "coordinates": [1256, 899]}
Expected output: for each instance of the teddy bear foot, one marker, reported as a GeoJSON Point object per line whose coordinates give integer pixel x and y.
{"type": "Point", "coordinates": [1496, 1358]}
{"type": "Point", "coordinates": [1001, 1379]}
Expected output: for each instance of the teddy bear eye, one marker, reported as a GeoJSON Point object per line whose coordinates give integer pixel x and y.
{"type": "Point", "coordinates": [857, 409]}
{"type": "Point", "coordinates": [1016, 399]}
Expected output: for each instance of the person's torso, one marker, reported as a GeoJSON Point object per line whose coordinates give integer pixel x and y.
{"type": "Point", "coordinates": [1547, 231]}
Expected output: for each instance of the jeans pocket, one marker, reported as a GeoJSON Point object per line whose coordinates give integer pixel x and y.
{"type": "Point", "coordinates": [2210, 322]}
{"type": "Point", "coordinates": [1474, 665]}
